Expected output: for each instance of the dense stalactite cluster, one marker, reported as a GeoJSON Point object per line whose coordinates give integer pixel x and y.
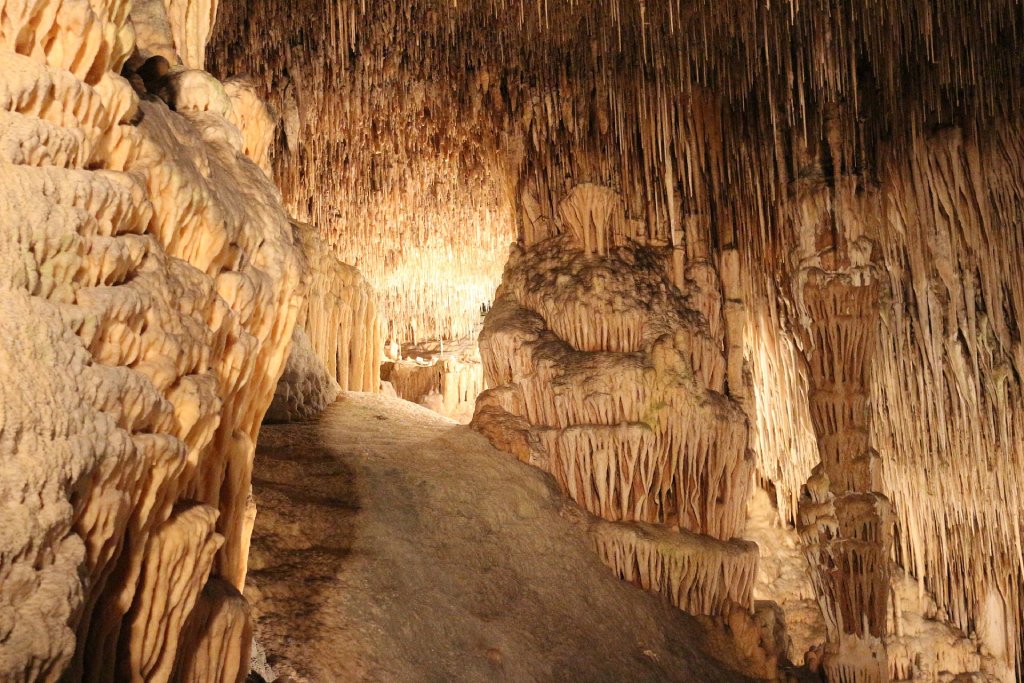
{"type": "Point", "coordinates": [678, 175]}
{"type": "Point", "coordinates": [623, 403]}
{"type": "Point", "coordinates": [399, 171]}
{"type": "Point", "coordinates": [150, 286]}
{"type": "Point", "coordinates": [944, 368]}
{"type": "Point", "coordinates": [957, 282]}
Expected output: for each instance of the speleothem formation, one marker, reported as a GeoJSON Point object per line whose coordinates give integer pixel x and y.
{"type": "Point", "coordinates": [150, 288]}
{"type": "Point", "coordinates": [743, 278]}
{"type": "Point", "coordinates": [337, 344]}
{"type": "Point", "coordinates": [603, 376]}
{"type": "Point", "coordinates": [446, 378]}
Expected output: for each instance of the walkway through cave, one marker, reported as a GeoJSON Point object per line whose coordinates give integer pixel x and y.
{"type": "Point", "coordinates": [394, 545]}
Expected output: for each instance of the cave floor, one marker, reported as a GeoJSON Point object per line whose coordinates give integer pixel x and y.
{"type": "Point", "coordinates": [392, 544]}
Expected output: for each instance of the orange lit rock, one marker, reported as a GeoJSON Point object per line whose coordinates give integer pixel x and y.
{"type": "Point", "coordinates": [150, 287]}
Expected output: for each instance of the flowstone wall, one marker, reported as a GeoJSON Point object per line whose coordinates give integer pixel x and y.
{"type": "Point", "coordinates": [338, 343]}
{"type": "Point", "coordinates": [150, 287]}
{"type": "Point", "coordinates": [605, 374]}
{"type": "Point", "coordinates": [624, 366]}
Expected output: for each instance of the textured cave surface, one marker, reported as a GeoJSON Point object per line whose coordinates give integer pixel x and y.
{"type": "Point", "coordinates": [730, 292]}
{"type": "Point", "coordinates": [446, 378]}
{"type": "Point", "coordinates": [150, 287]}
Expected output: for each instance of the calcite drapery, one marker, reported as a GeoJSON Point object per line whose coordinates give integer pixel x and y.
{"type": "Point", "coordinates": [337, 345]}
{"type": "Point", "coordinates": [150, 287]}
{"type": "Point", "coordinates": [342, 320]}
{"type": "Point", "coordinates": [603, 376]}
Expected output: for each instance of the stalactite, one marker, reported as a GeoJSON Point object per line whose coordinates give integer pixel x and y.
{"type": "Point", "coordinates": [622, 404]}
{"type": "Point", "coordinates": [417, 136]}
{"type": "Point", "coordinates": [697, 573]}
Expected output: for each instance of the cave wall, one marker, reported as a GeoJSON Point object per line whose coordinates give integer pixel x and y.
{"type": "Point", "coordinates": [150, 287]}
{"type": "Point", "coordinates": [604, 376]}
{"type": "Point", "coordinates": [338, 342]}
{"type": "Point", "coordinates": [151, 284]}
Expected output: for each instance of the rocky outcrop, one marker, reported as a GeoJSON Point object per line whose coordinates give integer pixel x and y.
{"type": "Point", "coordinates": [305, 388]}
{"type": "Point", "coordinates": [150, 287]}
{"type": "Point", "coordinates": [605, 376]}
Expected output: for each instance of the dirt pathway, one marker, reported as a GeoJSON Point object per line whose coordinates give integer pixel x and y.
{"type": "Point", "coordinates": [393, 545]}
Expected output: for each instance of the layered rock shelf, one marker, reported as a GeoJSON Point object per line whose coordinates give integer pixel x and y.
{"type": "Point", "coordinates": [620, 397]}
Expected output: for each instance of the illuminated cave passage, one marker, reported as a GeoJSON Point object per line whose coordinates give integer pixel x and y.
{"type": "Point", "coordinates": [711, 309]}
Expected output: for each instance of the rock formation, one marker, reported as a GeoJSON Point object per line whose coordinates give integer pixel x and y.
{"type": "Point", "coordinates": [337, 345]}
{"type": "Point", "coordinates": [305, 388]}
{"type": "Point", "coordinates": [150, 287]}
{"type": "Point", "coordinates": [405, 186]}
{"type": "Point", "coordinates": [342, 320]}
{"type": "Point", "coordinates": [605, 377]}
{"type": "Point", "coordinates": [768, 244]}
{"type": "Point", "coordinates": [846, 523]}
{"type": "Point", "coordinates": [445, 378]}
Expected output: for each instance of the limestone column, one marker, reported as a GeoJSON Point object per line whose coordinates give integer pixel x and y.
{"type": "Point", "coordinates": [845, 522]}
